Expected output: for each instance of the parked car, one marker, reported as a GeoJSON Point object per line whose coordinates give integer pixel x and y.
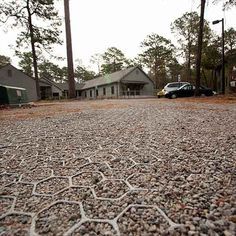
{"type": "Point", "coordinates": [161, 93]}
{"type": "Point", "coordinates": [188, 90]}
{"type": "Point", "coordinates": [174, 86]}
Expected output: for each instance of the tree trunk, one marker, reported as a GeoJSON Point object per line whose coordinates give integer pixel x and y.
{"type": "Point", "coordinates": [155, 72]}
{"type": "Point", "coordinates": [189, 66]}
{"type": "Point", "coordinates": [71, 80]}
{"type": "Point", "coordinates": [199, 48]}
{"type": "Point", "coordinates": [32, 41]}
{"type": "Point", "coordinates": [215, 81]}
{"type": "Point", "coordinates": [212, 78]}
{"type": "Point", "coordinates": [189, 74]}
{"type": "Point", "coordinates": [205, 78]}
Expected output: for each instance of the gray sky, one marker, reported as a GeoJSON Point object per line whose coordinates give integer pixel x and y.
{"type": "Point", "coordinates": [99, 24]}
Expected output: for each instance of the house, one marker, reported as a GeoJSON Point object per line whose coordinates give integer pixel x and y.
{"type": "Point", "coordinates": [11, 76]}
{"type": "Point", "coordinates": [65, 89]}
{"type": "Point", "coordinates": [130, 82]}
{"type": "Point", "coordinates": [49, 89]}
{"type": "Point", "coordinates": [125, 83]}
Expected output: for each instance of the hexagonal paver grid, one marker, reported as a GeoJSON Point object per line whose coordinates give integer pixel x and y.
{"type": "Point", "coordinates": [15, 224]}
{"type": "Point", "coordinates": [94, 229]}
{"type": "Point", "coordinates": [76, 162]}
{"type": "Point", "coordinates": [22, 192]}
{"type": "Point", "coordinates": [58, 218]}
{"type": "Point", "coordinates": [64, 170]}
{"type": "Point", "coordinates": [111, 189]}
{"type": "Point", "coordinates": [142, 221]}
{"type": "Point", "coordinates": [13, 164]}
{"type": "Point", "coordinates": [52, 185]}
{"type": "Point", "coordinates": [75, 194]}
{"type": "Point", "coordinates": [133, 184]}
{"type": "Point", "coordinates": [148, 181]}
{"type": "Point", "coordinates": [100, 167]}
{"type": "Point", "coordinates": [117, 174]}
{"type": "Point", "coordinates": [8, 178]}
{"type": "Point", "coordinates": [5, 204]}
{"type": "Point", "coordinates": [102, 156]}
{"type": "Point", "coordinates": [102, 209]}
{"type": "Point", "coordinates": [144, 158]}
{"type": "Point", "coordinates": [142, 168]}
{"type": "Point", "coordinates": [36, 174]}
{"type": "Point", "coordinates": [87, 179]}
{"type": "Point", "coordinates": [120, 163]}
{"type": "Point", "coordinates": [18, 190]}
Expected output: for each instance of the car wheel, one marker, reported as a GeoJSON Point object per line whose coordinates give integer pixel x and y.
{"type": "Point", "coordinates": [209, 94]}
{"type": "Point", "coordinates": [173, 96]}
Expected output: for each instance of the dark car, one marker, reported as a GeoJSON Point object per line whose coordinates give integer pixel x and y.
{"type": "Point", "coordinates": [188, 90]}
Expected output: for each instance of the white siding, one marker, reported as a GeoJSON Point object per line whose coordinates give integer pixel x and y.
{"type": "Point", "coordinates": [56, 90]}
{"type": "Point", "coordinates": [108, 94]}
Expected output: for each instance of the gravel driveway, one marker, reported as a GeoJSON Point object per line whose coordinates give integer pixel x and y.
{"type": "Point", "coordinates": [119, 167]}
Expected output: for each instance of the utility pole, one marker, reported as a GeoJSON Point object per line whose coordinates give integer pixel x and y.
{"type": "Point", "coordinates": [71, 80]}
{"type": "Point", "coordinates": [199, 48]}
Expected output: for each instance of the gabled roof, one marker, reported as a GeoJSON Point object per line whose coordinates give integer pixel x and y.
{"type": "Point", "coordinates": [65, 86]}
{"type": "Point", "coordinates": [108, 79]}
{"type": "Point", "coordinates": [4, 65]}
{"type": "Point", "coordinates": [50, 82]}
{"type": "Point", "coordinates": [17, 70]}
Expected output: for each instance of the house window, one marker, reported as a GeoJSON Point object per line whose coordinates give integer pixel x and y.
{"type": "Point", "coordinates": [91, 93]}
{"type": "Point", "coordinates": [18, 92]}
{"type": "Point", "coordinates": [96, 92]}
{"type": "Point", "coordinates": [9, 73]}
{"type": "Point", "coordinates": [85, 94]}
{"type": "Point", "coordinates": [112, 90]}
{"type": "Point", "coordinates": [55, 95]}
{"type": "Point", "coordinates": [104, 91]}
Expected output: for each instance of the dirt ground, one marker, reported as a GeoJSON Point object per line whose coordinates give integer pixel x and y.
{"type": "Point", "coordinates": [48, 109]}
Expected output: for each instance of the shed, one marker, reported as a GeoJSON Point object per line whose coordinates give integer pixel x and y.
{"type": "Point", "coordinates": [12, 95]}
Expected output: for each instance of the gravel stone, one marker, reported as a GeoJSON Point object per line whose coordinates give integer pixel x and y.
{"type": "Point", "coordinates": [93, 167]}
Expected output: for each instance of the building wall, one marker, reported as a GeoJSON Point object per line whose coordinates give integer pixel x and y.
{"type": "Point", "coordinates": [56, 90]}
{"type": "Point", "coordinates": [139, 76]}
{"type": "Point", "coordinates": [12, 77]}
{"type": "Point", "coordinates": [100, 95]}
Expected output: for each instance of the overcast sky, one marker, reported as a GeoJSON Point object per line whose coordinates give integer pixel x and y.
{"type": "Point", "coordinates": [99, 24]}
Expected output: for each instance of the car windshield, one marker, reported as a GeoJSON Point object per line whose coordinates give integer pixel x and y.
{"type": "Point", "coordinates": [183, 87]}
{"type": "Point", "coordinates": [187, 87]}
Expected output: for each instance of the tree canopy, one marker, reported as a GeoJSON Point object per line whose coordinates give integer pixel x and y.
{"type": "Point", "coordinates": [185, 29]}
{"type": "Point", "coordinates": [4, 60]}
{"type": "Point", "coordinates": [157, 52]}
{"type": "Point", "coordinates": [39, 24]}
{"type": "Point", "coordinates": [113, 60]}
{"type": "Point", "coordinates": [81, 72]}
{"type": "Point", "coordinates": [230, 39]}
